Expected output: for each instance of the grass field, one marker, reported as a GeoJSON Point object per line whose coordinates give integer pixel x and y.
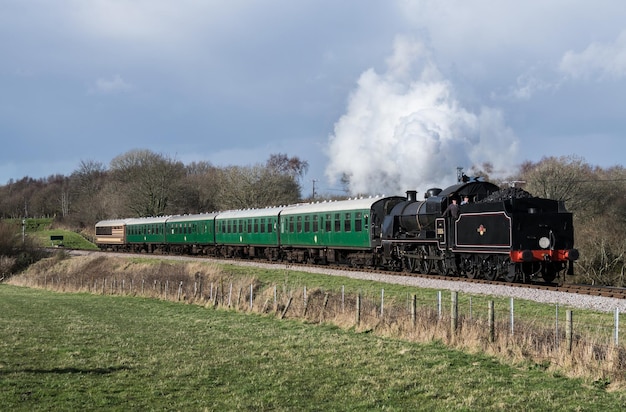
{"type": "Point", "coordinates": [85, 352]}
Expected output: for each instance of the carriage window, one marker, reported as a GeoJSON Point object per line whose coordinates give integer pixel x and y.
{"type": "Point", "coordinates": [347, 223]}
{"type": "Point", "coordinates": [270, 225]}
{"type": "Point", "coordinates": [291, 224]}
{"type": "Point", "coordinates": [262, 225]}
{"type": "Point", "coordinates": [316, 225]}
{"type": "Point", "coordinates": [328, 223]}
{"type": "Point", "coordinates": [108, 230]}
{"type": "Point", "coordinates": [358, 223]}
{"type": "Point", "coordinates": [299, 224]}
{"type": "Point", "coordinates": [337, 222]}
{"type": "Point", "coordinates": [249, 225]}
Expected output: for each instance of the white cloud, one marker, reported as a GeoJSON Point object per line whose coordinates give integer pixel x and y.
{"type": "Point", "coordinates": [110, 86]}
{"type": "Point", "coordinates": [598, 60]}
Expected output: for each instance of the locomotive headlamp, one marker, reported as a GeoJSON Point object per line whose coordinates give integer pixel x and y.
{"type": "Point", "coordinates": [544, 243]}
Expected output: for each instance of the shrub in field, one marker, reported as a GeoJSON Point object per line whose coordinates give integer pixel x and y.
{"type": "Point", "coordinates": [16, 252]}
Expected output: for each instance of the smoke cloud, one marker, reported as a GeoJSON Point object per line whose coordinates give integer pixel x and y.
{"type": "Point", "coordinates": [404, 129]}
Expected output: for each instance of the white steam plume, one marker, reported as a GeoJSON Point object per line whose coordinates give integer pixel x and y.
{"type": "Point", "coordinates": [405, 130]}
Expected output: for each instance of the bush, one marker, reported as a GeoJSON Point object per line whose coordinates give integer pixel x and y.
{"type": "Point", "coordinates": [16, 253]}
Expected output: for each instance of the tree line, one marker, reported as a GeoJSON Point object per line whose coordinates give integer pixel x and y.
{"type": "Point", "coordinates": [143, 183]}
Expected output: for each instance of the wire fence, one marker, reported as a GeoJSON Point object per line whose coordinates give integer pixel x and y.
{"type": "Point", "coordinates": [579, 342]}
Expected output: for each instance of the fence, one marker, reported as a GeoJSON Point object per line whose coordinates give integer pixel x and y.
{"type": "Point", "coordinates": [578, 340]}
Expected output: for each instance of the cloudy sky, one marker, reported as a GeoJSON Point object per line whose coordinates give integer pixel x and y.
{"type": "Point", "coordinates": [394, 93]}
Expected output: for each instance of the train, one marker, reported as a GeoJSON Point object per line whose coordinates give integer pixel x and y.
{"type": "Point", "coordinates": [493, 234]}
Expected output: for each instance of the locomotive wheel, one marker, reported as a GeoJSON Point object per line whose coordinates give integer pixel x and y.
{"type": "Point", "coordinates": [490, 271]}
{"type": "Point", "coordinates": [473, 270]}
{"type": "Point", "coordinates": [410, 264]}
{"type": "Point", "coordinates": [510, 278]}
{"type": "Point", "coordinates": [425, 264]}
{"type": "Point", "coordinates": [549, 274]}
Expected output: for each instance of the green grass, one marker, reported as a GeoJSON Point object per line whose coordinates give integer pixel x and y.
{"type": "Point", "coordinates": [71, 240]}
{"type": "Point", "coordinates": [589, 323]}
{"type": "Point", "coordinates": [86, 352]}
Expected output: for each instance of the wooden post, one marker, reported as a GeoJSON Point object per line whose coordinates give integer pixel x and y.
{"type": "Point", "coordinates": [439, 305]}
{"type": "Point", "coordinates": [512, 307]}
{"type": "Point", "coordinates": [251, 295]}
{"type": "Point", "coordinates": [414, 309]}
{"type": "Point", "coordinates": [492, 326]}
{"type": "Point", "coordinates": [343, 298]}
{"type": "Point", "coordinates": [454, 316]}
{"type": "Point", "coordinates": [305, 302]}
{"type": "Point", "coordinates": [230, 293]}
{"type": "Point", "coordinates": [282, 315]}
{"type": "Point", "coordinates": [568, 330]}
{"type": "Point", "coordinates": [358, 309]}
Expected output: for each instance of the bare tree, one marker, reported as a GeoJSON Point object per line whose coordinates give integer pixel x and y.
{"type": "Point", "coordinates": [146, 180]}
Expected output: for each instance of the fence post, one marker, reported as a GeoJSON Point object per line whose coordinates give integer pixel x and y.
{"type": "Point", "coordinates": [492, 326]}
{"type": "Point", "coordinates": [616, 326]}
{"type": "Point", "coordinates": [556, 327]}
{"type": "Point", "coordinates": [305, 302]}
{"type": "Point", "coordinates": [454, 317]}
{"type": "Point", "coordinates": [382, 302]}
{"type": "Point", "coordinates": [414, 309]}
{"type": "Point", "coordinates": [358, 309]}
{"type": "Point", "coordinates": [512, 318]}
{"type": "Point", "coordinates": [439, 305]}
{"type": "Point", "coordinates": [230, 294]}
{"type": "Point", "coordinates": [251, 296]}
{"type": "Point", "coordinates": [180, 290]}
{"type": "Point", "coordinates": [343, 300]}
{"type": "Point", "coordinates": [568, 330]}
{"type": "Point", "coordinates": [284, 312]}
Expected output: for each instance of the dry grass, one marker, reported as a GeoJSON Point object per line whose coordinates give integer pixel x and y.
{"type": "Point", "coordinates": [531, 346]}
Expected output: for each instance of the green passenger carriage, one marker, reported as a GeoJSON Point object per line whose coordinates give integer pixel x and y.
{"type": "Point", "coordinates": [192, 234]}
{"type": "Point", "coordinates": [252, 232]}
{"type": "Point", "coordinates": [146, 234]}
{"type": "Point", "coordinates": [344, 231]}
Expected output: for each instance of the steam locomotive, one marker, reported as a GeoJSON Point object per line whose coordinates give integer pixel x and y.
{"type": "Point", "coordinates": [505, 235]}
{"type": "Point", "coordinates": [497, 234]}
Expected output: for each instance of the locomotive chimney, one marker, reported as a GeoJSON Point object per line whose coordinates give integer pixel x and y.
{"type": "Point", "coordinates": [411, 195]}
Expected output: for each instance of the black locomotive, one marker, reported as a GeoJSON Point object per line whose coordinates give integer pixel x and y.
{"type": "Point", "coordinates": [497, 234]}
